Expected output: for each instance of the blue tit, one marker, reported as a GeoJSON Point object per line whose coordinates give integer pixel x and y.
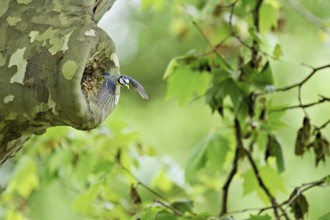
{"type": "Point", "coordinates": [108, 95]}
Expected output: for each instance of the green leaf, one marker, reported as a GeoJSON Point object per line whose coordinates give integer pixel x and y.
{"type": "Point", "coordinates": [274, 121]}
{"type": "Point", "coordinates": [217, 150]}
{"type": "Point", "coordinates": [85, 165]}
{"type": "Point", "coordinates": [268, 17]}
{"type": "Point", "coordinates": [162, 182]}
{"type": "Point", "coordinates": [165, 215]}
{"type": "Point", "coordinates": [25, 178]}
{"type": "Point", "coordinates": [170, 68]}
{"type": "Point", "coordinates": [325, 216]}
{"type": "Point", "coordinates": [84, 203]}
{"type": "Point", "coordinates": [270, 177]}
{"type": "Point", "coordinates": [264, 78]}
{"type": "Point", "coordinates": [212, 149]}
{"type": "Point", "coordinates": [277, 52]}
{"type": "Point", "coordinates": [150, 4]}
{"type": "Point", "coordinates": [185, 60]}
{"type": "Point", "coordinates": [103, 166]}
{"type": "Point", "coordinates": [274, 149]}
{"type": "Point", "coordinates": [260, 217]}
{"type": "Point", "coordinates": [60, 158]}
{"type": "Point", "coordinates": [255, 35]}
{"type": "Point", "coordinates": [149, 213]}
{"type": "Point", "coordinates": [238, 93]}
{"type": "Point", "coordinates": [183, 206]}
{"type": "Point", "coordinates": [185, 84]}
{"type": "Point", "coordinates": [250, 183]}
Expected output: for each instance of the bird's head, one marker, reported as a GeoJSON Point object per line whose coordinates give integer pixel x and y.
{"type": "Point", "coordinates": [123, 81]}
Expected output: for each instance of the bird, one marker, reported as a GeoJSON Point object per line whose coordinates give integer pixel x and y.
{"type": "Point", "coordinates": [109, 92]}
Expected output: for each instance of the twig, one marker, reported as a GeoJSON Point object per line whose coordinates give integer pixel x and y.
{"type": "Point", "coordinates": [225, 188]}
{"type": "Point", "coordinates": [324, 125]}
{"type": "Point", "coordinates": [255, 44]}
{"type": "Point", "coordinates": [315, 70]}
{"type": "Point", "coordinates": [175, 211]}
{"type": "Point", "coordinates": [299, 84]}
{"type": "Point", "coordinates": [301, 106]}
{"type": "Point", "coordinates": [299, 190]}
{"type": "Point", "coordinates": [261, 183]}
{"type": "Point", "coordinates": [304, 187]}
{"type": "Point", "coordinates": [139, 182]}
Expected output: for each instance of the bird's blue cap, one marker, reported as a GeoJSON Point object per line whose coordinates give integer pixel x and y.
{"type": "Point", "coordinates": [105, 74]}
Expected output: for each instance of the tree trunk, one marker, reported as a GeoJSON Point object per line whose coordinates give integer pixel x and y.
{"type": "Point", "coordinates": [52, 55]}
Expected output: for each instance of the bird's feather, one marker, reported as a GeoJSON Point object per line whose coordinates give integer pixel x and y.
{"type": "Point", "coordinates": [139, 88]}
{"type": "Point", "coordinates": [107, 96]}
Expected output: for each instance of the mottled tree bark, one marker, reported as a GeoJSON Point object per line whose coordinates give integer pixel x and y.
{"type": "Point", "coordinates": [50, 53]}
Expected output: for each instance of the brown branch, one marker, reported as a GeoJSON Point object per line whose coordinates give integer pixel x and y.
{"type": "Point", "coordinates": [261, 183]}
{"type": "Point", "coordinates": [225, 188]}
{"type": "Point", "coordinates": [299, 84]}
{"type": "Point", "coordinates": [324, 125]}
{"type": "Point", "coordinates": [303, 188]}
{"type": "Point", "coordinates": [255, 44]}
{"type": "Point", "coordinates": [299, 190]}
{"type": "Point", "coordinates": [301, 105]}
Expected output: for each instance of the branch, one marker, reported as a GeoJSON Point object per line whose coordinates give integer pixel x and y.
{"type": "Point", "coordinates": [254, 48]}
{"type": "Point", "coordinates": [140, 183]}
{"type": "Point", "coordinates": [323, 99]}
{"type": "Point", "coordinates": [225, 188]}
{"type": "Point", "coordinates": [299, 190]}
{"type": "Point", "coordinates": [263, 186]}
{"type": "Point", "coordinates": [239, 150]}
{"type": "Point", "coordinates": [324, 125]}
{"type": "Point", "coordinates": [299, 84]}
{"type": "Point", "coordinates": [255, 44]}
{"type": "Point", "coordinates": [303, 188]}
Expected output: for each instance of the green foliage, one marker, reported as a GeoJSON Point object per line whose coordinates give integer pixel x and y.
{"type": "Point", "coordinates": [188, 77]}
{"type": "Point", "coordinates": [260, 217]}
{"type": "Point", "coordinates": [115, 172]}
{"type": "Point", "coordinates": [211, 151]}
{"type": "Point", "coordinates": [24, 179]}
{"type": "Point", "coordinates": [273, 180]}
{"type": "Point", "coordinates": [274, 149]}
{"type": "Point", "coordinates": [277, 52]}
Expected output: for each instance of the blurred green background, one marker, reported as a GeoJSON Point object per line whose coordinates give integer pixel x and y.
{"type": "Point", "coordinates": [160, 133]}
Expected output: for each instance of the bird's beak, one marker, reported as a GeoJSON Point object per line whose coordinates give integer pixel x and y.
{"type": "Point", "coordinates": [127, 86]}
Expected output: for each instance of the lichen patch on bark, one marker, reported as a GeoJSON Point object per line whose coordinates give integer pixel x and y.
{"type": "Point", "coordinates": [90, 33]}
{"type": "Point", "coordinates": [115, 59]}
{"type": "Point", "coordinates": [17, 59]}
{"type": "Point", "coordinates": [8, 98]}
{"type": "Point", "coordinates": [69, 69]}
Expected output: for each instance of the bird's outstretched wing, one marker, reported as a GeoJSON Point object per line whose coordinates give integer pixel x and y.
{"type": "Point", "coordinates": [106, 98]}
{"type": "Point", "coordinates": [139, 88]}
